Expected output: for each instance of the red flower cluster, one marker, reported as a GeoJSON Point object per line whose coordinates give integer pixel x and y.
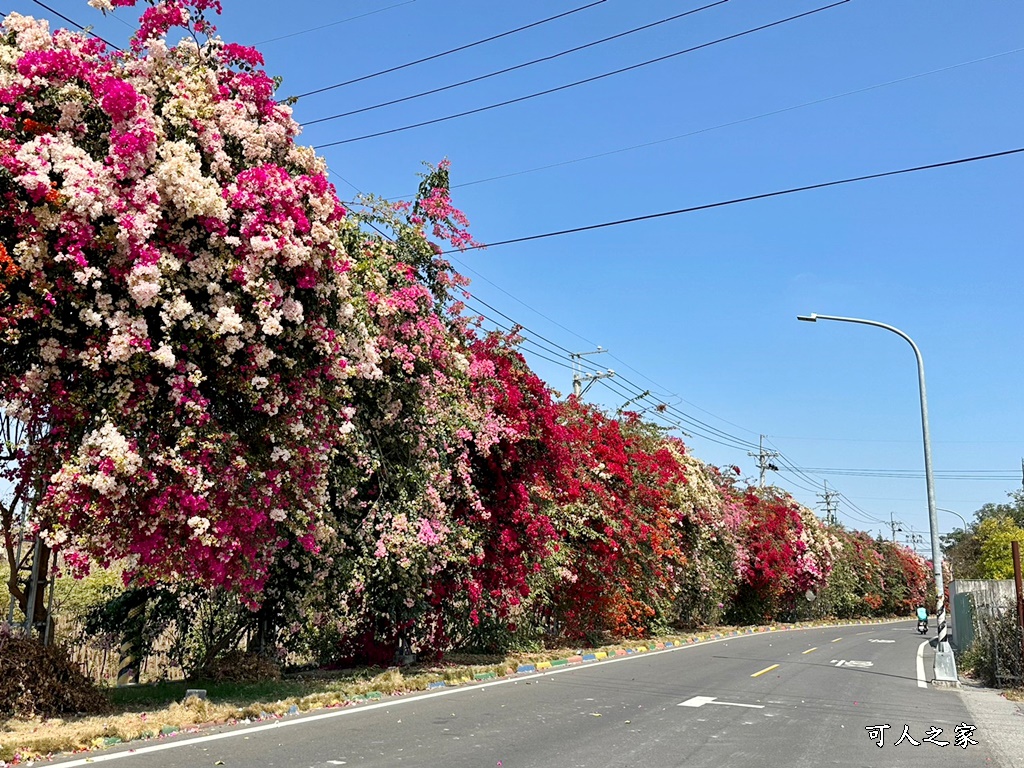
{"type": "Point", "coordinates": [8, 269]}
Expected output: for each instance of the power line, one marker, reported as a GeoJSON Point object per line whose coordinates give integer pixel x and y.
{"type": "Point", "coordinates": [561, 362]}
{"type": "Point", "coordinates": [696, 424]}
{"type": "Point", "coordinates": [357, 189]}
{"type": "Point", "coordinates": [737, 200]}
{"type": "Point", "coordinates": [516, 322]}
{"type": "Point", "coordinates": [491, 283]}
{"type": "Point", "coordinates": [626, 393]}
{"type": "Point", "coordinates": [916, 473]}
{"type": "Point", "coordinates": [581, 82]}
{"type": "Point", "coordinates": [487, 280]}
{"type": "Point", "coordinates": [525, 338]}
{"type": "Point", "coordinates": [733, 440]}
{"type": "Point", "coordinates": [550, 360]}
{"type": "Point", "coordinates": [664, 395]}
{"type": "Point", "coordinates": [913, 474]}
{"type": "Point", "coordinates": [563, 359]}
{"type": "Point", "coordinates": [511, 320]}
{"type": "Point", "coordinates": [914, 442]}
{"type": "Point", "coordinates": [698, 428]}
{"type": "Point", "coordinates": [75, 24]}
{"type": "Point", "coordinates": [814, 488]}
{"type": "Point", "coordinates": [334, 23]}
{"type": "Point", "coordinates": [450, 51]}
{"type": "Point", "coordinates": [494, 309]}
{"type": "Point", "coordinates": [732, 123]}
{"type": "Point", "coordinates": [515, 67]}
{"type": "Point", "coordinates": [482, 314]}
{"type": "Point", "coordinates": [667, 394]}
{"type": "Point", "coordinates": [859, 509]}
{"type": "Point", "coordinates": [787, 464]}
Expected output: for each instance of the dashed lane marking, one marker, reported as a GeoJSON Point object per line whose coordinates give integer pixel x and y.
{"type": "Point", "coordinates": [766, 669]}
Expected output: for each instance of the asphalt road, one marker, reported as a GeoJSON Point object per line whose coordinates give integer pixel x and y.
{"type": "Point", "coordinates": [797, 698]}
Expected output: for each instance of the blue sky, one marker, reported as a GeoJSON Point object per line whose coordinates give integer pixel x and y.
{"type": "Point", "coordinates": [701, 308]}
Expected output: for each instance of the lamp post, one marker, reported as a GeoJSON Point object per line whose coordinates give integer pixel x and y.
{"type": "Point", "coordinates": [945, 663]}
{"type": "Point", "coordinates": [966, 526]}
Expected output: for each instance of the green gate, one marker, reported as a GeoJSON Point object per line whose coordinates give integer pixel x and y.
{"type": "Point", "coordinates": [963, 620]}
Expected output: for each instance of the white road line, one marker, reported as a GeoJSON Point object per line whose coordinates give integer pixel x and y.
{"type": "Point", "coordinates": [921, 681]}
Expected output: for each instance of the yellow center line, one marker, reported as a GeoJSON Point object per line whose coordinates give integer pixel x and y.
{"type": "Point", "coordinates": [766, 669]}
{"type": "Point", "coordinates": [810, 649]}
{"type": "Point", "coordinates": [837, 640]}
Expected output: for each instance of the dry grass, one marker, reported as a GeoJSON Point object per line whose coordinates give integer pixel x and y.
{"type": "Point", "coordinates": [23, 740]}
{"type": "Point", "coordinates": [153, 711]}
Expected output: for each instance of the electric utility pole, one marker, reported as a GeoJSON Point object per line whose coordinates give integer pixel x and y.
{"type": "Point", "coordinates": [895, 525]}
{"type": "Point", "coordinates": [919, 544]}
{"type": "Point", "coordinates": [764, 460]}
{"type": "Point", "coordinates": [578, 376]}
{"type": "Point", "coordinates": [830, 500]}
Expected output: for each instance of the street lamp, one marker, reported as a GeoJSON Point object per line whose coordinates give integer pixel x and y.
{"type": "Point", "coordinates": [945, 663]}
{"type": "Point", "coordinates": [966, 526]}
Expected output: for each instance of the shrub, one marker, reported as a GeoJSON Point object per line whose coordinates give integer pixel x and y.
{"type": "Point", "coordinates": [994, 657]}
{"type": "Point", "coordinates": [38, 680]}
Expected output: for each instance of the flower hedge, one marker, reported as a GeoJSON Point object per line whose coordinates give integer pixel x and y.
{"type": "Point", "coordinates": [234, 383]}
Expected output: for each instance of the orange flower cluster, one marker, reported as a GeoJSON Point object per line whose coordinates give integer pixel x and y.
{"type": "Point", "coordinates": [54, 197]}
{"type": "Point", "coordinates": [8, 269]}
{"type": "Point", "coordinates": [36, 128]}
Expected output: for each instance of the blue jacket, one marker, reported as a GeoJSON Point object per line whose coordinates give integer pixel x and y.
{"type": "Point", "coordinates": [922, 614]}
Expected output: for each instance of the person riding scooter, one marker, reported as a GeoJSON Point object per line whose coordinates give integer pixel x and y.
{"type": "Point", "coordinates": [922, 620]}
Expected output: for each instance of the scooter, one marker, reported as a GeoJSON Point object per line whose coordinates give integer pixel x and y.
{"type": "Point", "coordinates": [922, 626]}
